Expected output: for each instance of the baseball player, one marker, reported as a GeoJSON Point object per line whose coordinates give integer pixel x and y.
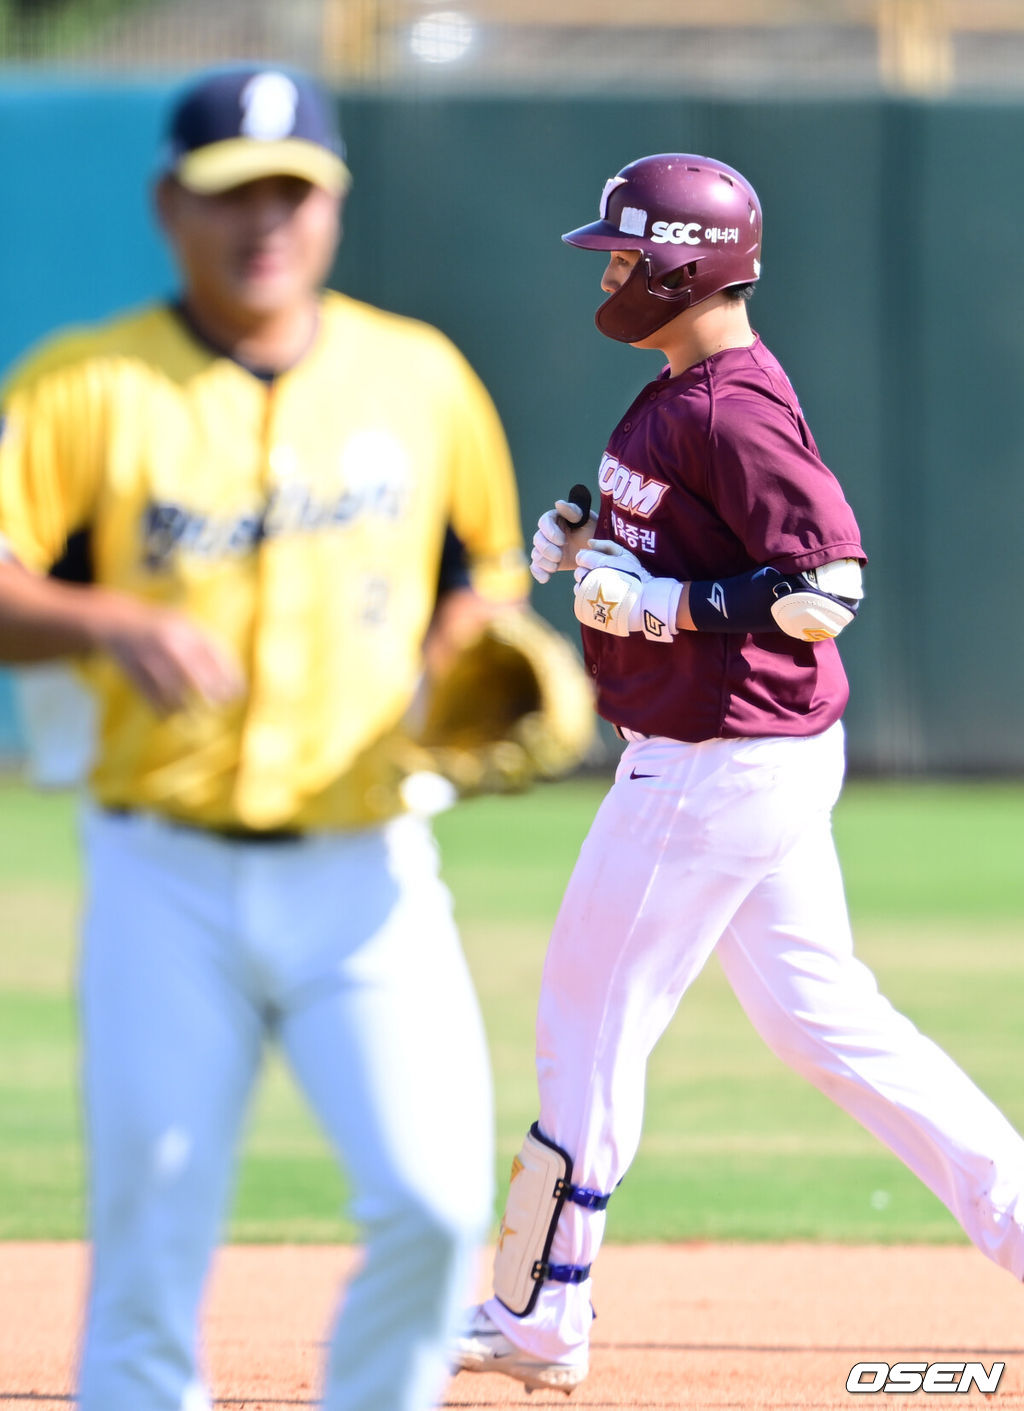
{"type": "Point", "coordinates": [266, 473]}
{"type": "Point", "coordinates": [721, 566]}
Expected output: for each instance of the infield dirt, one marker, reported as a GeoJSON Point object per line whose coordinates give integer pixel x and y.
{"type": "Point", "coordinates": [696, 1326]}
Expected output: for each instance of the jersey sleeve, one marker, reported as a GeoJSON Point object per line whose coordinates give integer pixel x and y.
{"type": "Point", "coordinates": [49, 465]}
{"type": "Point", "coordinates": [771, 487]}
{"type": "Point", "coordinates": [484, 500]}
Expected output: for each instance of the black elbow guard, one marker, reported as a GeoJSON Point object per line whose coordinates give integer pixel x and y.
{"type": "Point", "coordinates": [766, 600]}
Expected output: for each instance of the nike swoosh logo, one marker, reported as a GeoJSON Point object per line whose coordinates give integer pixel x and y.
{"type": "Point", "coordinates": [634, 775]}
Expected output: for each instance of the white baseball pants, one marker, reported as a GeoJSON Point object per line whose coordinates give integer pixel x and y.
{"type": "Point", "coordinates": [343, 949]}
{"type": "Point", "coordinates": [727, 844]}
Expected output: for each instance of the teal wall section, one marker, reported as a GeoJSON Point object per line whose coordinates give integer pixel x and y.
{"type": "Point", "coordinates": [893, 291]}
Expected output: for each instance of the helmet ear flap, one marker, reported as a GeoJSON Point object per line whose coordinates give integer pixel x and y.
{"type": "Point", "coordinates": [673, 280]}
{"type": "Point", "coordinates": [642, 305]}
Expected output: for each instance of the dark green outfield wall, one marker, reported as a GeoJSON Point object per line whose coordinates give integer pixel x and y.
{"type": "Point", "coordinates": [893, 291]}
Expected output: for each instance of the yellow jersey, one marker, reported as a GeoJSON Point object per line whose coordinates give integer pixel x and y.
{"type": "Point", "coordinates": [299, 519]}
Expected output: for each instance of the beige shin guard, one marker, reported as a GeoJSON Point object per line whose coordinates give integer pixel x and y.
{"type": "Point", "coordinates": [539, 1187]}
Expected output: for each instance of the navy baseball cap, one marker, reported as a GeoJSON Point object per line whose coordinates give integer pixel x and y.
{"type": "Point", "coordinates": [241, 124]}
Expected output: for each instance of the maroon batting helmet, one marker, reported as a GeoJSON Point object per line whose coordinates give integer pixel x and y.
{"type": "Point", "coordinates": [697, 224]}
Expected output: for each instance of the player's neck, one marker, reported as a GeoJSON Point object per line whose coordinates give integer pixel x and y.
{"type": "Point", "coordinates": [272, 341]}
{"type": "Point", "coordinates": [699, 333]}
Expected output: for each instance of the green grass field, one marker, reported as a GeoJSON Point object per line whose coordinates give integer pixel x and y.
{"type": "Point", "coordinates": [735, 1146]}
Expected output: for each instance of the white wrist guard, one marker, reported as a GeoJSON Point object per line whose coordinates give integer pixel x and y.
{"type": "Point", "coordinates": [659, 604]}
{"type": "Point", "coordinates": [618, 603]}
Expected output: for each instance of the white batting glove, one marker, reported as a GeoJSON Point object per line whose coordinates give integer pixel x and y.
{"type": "Point", "coordinates": [601, 552]}
{"type": "Point", "coordinates": [616, 594]}
{"type": "Point", "coordinates": [552, 549]}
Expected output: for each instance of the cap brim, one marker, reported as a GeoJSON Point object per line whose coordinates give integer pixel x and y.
{"type": "Point", "coordinates": [602, 235]}
{"type": "Point", "coordinates": [223, 165]}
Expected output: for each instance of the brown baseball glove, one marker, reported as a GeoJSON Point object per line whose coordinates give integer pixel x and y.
{"type": "Point", "coordinates": [515, 705]}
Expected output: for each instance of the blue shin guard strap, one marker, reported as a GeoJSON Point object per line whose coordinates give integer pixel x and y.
{"type": "Point", "coordinates": [562, 1273]}
{"type": "Point", "coordinates": [580, 1195]}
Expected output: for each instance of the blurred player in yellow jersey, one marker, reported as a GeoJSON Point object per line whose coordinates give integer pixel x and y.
{"type": "Point", "coordinates": [266, 474]}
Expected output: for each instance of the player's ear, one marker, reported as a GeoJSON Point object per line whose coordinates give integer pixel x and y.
{"type": "Point", "coordinates": [342, 200]}
{"type": "Point", "coordinates": [163, 193]}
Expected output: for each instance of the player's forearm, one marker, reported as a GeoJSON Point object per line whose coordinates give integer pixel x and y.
{"type": "Point", "coordinates": [169, 659]}
{"type": "Point", "coordinates": [42, 618]}
{"type": "Point", "coordinates": [614, 593]}
{"type": "Point", "coordinates": [684, 620]}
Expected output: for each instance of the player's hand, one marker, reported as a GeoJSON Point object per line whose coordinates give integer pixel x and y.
{"type": "Point", "coordinates": [171, 660]}
{"type": "Point", "coordinates": [460, 618]}
{"type": "Point", "coordinates": [599, 553]}
{"type": "Point", "coordinates": [615, 594]}
{"type": "Point", "coordinates": [554, 546]}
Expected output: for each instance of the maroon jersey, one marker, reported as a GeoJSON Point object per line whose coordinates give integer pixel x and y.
{"type": "Point", "coordinates": [710, 474]}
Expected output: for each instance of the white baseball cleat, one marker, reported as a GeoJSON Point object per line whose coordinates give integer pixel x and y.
{"type": "Point", "coordinates": [483, 1347]}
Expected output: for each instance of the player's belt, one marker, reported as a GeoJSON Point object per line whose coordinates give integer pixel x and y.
{"type": "Point", "coordinates": [630, 736]}
{"type": "Point", "coordinates": [230, 832]}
